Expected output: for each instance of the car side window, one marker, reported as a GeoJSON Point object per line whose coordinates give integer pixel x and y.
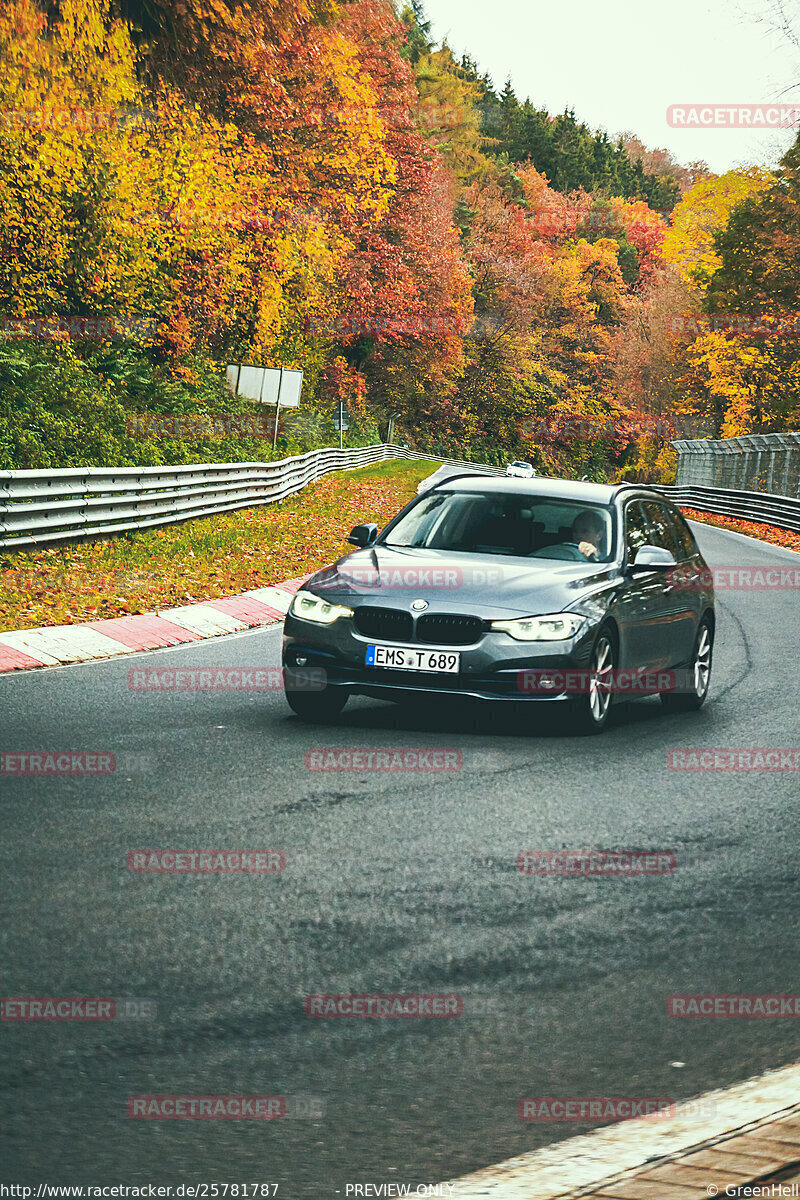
{"type": "Point", "coordinates": [637, 532]}
{"type": "Point", "coordinates": [684, 534]}
{"type": "Point", "coordinates": [662, 528]}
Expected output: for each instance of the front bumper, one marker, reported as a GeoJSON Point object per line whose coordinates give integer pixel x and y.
{"type": "Point", "coordinates": [491, 668]}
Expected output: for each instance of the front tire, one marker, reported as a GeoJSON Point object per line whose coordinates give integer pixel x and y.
{"type": "Point", "coordinates": [591, 712]}
{"type": "Point", "coordinates": [699, 670]}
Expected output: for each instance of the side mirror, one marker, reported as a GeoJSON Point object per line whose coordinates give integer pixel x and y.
{"type": "Point", "coordinates": [653, 558]}
{"type": "Point", "coordinates": [363, 535]}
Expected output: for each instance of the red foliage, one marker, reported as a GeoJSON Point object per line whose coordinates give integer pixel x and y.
{"type": "Point", "coordinates": [404, 276]}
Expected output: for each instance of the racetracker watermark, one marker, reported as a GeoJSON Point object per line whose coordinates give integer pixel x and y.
{"type": "Point", "coordinates": [297, 1106]}
{"type": "Point", "coordinates": [212, 216]}
{"type": "Point", "coordinates": [72, 762]}
{"type": "Point", "coordinates": [570, 428]}
{"type": "Point", "coordinates": [226, 679]}
{"type": "Point", "coordinates": [198, 426]}
{"type": "Point", "coordinates": [207, 1108]}
{"type": "Point", "coordinates": [75, 1008]}
{"type": "Point", "coordinates": [693, 325]}
{"type": "Point", "coordinates": [734, 579]}
{"type": "Point", "coordinates": [763, 1005]}
{"type": "Point", "coordinates": [75, 328]}
{"type": "Point", "coordinates": [543, 681]}
{"type": "Point", "coordinates": [765, 758]}
{"type": "Point", "coordinates": [206, 862]}
{"type": "Point", "coordinates": [391, 326]}
{"type": "Point", "coordinates": [430, 115]}
{"type": "Point", "coordinates": [596, 862]}
{"type": "Point", "coordinates": [733, 116]}
{"type": "Point", "coordinates": [402, 1005]}
{"type": "Point", "coordinates": [433, 577]}
{"type": "Point", "coordinates": [86, 120]}
{"type": "Point", "coordinates": [593, 1108]}
{"type": "Point", "coordinates": [556, 218]}
{"type": "Point", "coordinates": [335, 758]}
{"type": "Point", "coordinates": [75, 580]}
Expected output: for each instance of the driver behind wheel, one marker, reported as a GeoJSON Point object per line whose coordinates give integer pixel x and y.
{"type": "Point", "coordinates": [587, 530]}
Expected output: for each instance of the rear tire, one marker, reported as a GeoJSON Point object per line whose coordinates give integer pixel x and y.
{"type": "Point", "coordinates": [700, 671]}
{"type": "Point", "coordinates": [318, 707]}
{"type": "Point", "coordinates": [590, 712]}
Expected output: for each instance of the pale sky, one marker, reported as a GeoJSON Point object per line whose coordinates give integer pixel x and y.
{"type": "Point", "coordinates": [621, 63]}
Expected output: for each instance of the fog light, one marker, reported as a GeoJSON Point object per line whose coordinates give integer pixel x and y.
{"type": "Point", "coordinates": [300, 660]}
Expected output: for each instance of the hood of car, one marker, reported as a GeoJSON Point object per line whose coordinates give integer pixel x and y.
{"type": "Point", "coordinates": [483, 585]}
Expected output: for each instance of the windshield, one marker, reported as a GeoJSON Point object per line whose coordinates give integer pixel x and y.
{"type": "Point", "coordinates": [511, 524]}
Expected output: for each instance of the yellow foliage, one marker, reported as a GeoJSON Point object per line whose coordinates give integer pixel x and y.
{"type": "Point", "coordinates": [727, 371]}
{"type": "Point", "coordinates": [703, 212]}
{"type": "Point", "coordinates": [448, 114]}
{"type": "Point", "coordinates": [130, 205]}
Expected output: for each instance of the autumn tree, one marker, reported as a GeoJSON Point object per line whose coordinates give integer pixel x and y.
{"type": "Point", "coordinates": [702, 213]}
{"type": "Point", "coordinates": [758, 277]}
{"type": "Point", "coordinates": [319, 185]}
{"type": "Point", "coordinates": [405, 294]}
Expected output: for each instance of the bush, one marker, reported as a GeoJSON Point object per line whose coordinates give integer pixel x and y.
{"type": "Point", "coordinates": [54, 411]}
{"type": "Point", "coordinates": [61, 408]}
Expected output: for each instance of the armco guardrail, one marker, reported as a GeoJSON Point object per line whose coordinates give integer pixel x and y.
{"type": "Point", "coordinates": [39, 508]}
{"type": "Point", "coordinates": [783, 511]}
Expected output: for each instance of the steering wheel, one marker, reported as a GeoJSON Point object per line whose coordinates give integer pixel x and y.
{"type": "Point", "coordinates": [562, 550]}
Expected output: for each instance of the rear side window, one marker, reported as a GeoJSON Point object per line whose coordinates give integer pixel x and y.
{"type": "Point", "coordinates": [637, 533]}
{"type": "Point", "coordinates": [684, 534]}
{"type": "Point", "coordinates": [662, 528]}
{"type": "Point", "coordinates": [668, 524]}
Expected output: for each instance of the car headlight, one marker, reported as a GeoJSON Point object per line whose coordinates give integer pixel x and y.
{"type": "Point", "coordinates": [313, 608]}
{"type": "Point", "coordinates": [555, 627]}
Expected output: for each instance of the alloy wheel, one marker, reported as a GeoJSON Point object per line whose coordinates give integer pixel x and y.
{"type": "Point", "coordinates": [600, 679]}
{"type": "Point", "coordinates": [702, 662]}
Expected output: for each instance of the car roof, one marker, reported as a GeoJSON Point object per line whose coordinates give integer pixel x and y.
{"type": "Point", "coordinates": [562, 489]}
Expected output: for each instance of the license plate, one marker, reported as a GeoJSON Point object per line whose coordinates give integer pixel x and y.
{"type": "Point", "coordinates": [409, 658]}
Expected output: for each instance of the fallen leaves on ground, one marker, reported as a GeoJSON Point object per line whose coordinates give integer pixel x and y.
{"type": "Point", "coordinates": [767, 533]}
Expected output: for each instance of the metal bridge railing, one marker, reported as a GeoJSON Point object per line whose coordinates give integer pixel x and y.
{"type": "Point", "coordinates": [765, 462]}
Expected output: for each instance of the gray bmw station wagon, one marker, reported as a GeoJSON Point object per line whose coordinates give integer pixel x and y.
{"type": "Point", "coordinates": [500, 589]}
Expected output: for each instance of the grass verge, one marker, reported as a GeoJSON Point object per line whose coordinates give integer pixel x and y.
{"type": "Point", "coordinates": [201, 560]}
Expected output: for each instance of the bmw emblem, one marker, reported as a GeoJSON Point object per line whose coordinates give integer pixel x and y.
{"type": "Point", "coordinates": [419, 605]}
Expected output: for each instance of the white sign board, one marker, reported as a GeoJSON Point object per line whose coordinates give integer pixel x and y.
{"type": "Point", "coordinates": [268, 385]}
{"type": "Point", "coordinates": [272, 383]}
{"type": "Point", "coordinates": [291, 386]}
{"type": "Point", "coordinates": [251, 381]}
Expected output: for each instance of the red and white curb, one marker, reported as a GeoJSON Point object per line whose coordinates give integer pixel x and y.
{"type": "Point", "coordinates": [52, 646]}
{"type": "Point", "coordinates": [583, 1163]}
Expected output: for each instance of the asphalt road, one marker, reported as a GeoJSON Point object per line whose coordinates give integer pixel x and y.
{"type": "Point", "coordinates": [394, 883]}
